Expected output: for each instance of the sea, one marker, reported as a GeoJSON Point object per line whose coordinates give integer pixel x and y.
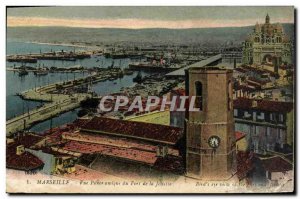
{"type": "Point", "coordinates": [15, 84]}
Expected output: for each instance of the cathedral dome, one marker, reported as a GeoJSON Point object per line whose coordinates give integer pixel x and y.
{"type": "Point", "coordinates": [267, 29]}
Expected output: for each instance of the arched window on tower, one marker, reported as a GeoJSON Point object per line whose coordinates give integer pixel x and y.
{"type": "Point", "coordinates": [199, 99]}
{"type": "Point", "coordinates": [229, 101]}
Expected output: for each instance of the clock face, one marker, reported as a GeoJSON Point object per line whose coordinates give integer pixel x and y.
{"type": "Point", "coordinates": [214, 141]}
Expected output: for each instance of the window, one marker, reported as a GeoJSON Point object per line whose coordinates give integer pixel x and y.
{"type": "Point", "coordinates": [261, 116]}
{"type": "Point", "coordinates": [281, 117]}
{"type": "Point", "coordinates": [229, 90]}
{"type": "Point", "coordinates": [268, 131]}
{"type": "Point", "coordinates": [269, 175]}
{"type": "Point", "coordinates": [280, 133]}
{"type": "Point", "coordinates": [175, 121]}
{"type": "Point", "coordinates": [199, 101]}
{"type": "Point", "coordinates": [235, 112]}
{"type": "Point", "coordinates": [271, 116]}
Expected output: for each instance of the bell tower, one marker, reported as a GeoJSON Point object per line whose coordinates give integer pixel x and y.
{"type": "Point", "coordinates": [210, 137]}
{"type": "Point", "coordinates": [267, 19]}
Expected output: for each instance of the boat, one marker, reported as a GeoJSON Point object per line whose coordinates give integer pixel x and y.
{"type": "Point", "coordinates": [23, 72]}
{"type": "Point", "coordinates": [41, 72]}
{"type": "Point", "coordinates": [119, 55]}
{"type": "Point", "coordinates": [127, 71]}
{"type": "Point", "coordinates": [112, 65]}
{"type": "Point", "coordinates": [121, 74]}
{"type": "Point", "coordinates": [139, 78]}
{"type": "Point", "coordinates": [145, 66]}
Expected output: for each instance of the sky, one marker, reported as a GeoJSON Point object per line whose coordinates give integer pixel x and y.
{"type": "Point", "coordinates": [146, 17]}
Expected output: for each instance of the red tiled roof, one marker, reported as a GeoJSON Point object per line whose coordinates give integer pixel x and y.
{"type": "Point", "coordinates": [27, 140]}
{"type": "Point", "coordinates": [124, 153]}
{"type": "Point", "coordinates": [263, 105]}
{"type": "Point", "coordinates": [239, 135]}
{"type": "Point", "coordinates": [108, 140]}
{"type": "Point", "coordinates": [80, 122]}
{"type": "Point", "coordinates": [140, 130]}
{"type": "Point", "coordinates": [179, 91]}
{"type": "Point", "coordinates": [26, 161]}
{"type": "Point", "coordinates": [276, 164]}
{"type": "Point", "coordinates": [244, 164]}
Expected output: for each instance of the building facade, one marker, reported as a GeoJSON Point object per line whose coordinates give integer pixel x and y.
{"type": "Point", "coordinates": [232, 55]}
{"type": "Point", "coordinates": [177, 118]}
{"type": "Point", "coordinates": [267, 44]}
{"type": "Point", "coordinates": [268, 124]}
{"type": "Point", "coordinates": [210, 136]}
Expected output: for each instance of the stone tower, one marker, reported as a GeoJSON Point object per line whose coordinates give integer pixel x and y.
{"type": "Point", "coordinates": [210, 137]}
{"type": "Point", "coordinates": [267, 19]}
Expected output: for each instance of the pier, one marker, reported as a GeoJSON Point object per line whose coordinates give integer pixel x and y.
{"type": "Point", "coordinates": [58, 101]}
{"type": "Point", "coordinates": [60, 55]}
{"type": "Point", "coordinates": [57, 104]}
{"type": "Point", "coordinates": [70, 69]}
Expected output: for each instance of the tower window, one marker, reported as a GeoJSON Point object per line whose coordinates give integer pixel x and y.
{"type": "Point", "coordinates": [199, 100]}
{"type": "Point", "coordinates": [229, 105]}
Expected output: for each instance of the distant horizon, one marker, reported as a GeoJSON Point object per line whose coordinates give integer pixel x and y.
{"type": "Point", "coordinates": [28, 26]}
{"type": "Point", "coordinates": [147, 17]}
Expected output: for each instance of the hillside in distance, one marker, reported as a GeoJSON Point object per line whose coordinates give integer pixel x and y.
{"type": "Point", "coordinates": [98, 36]}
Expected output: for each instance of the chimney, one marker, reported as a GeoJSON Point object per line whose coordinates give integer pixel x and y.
{"type": "Point", "coordinates": [254, 103]}
{"type": "Point", "coordinates": [20, 150]}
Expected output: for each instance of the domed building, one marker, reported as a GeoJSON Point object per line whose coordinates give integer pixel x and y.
{"type": "Point", "coordinates": [267, 44]}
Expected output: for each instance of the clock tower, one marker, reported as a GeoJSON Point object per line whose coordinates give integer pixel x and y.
{"type": "Point", "coordinates": [210, 137]}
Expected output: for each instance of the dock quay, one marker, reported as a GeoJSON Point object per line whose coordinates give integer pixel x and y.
{"type": "Point", "coordinates": [151, 67]}
{"type": "Point", "coordinates": [71, 69]}
{"type": "Point", "coordinates": [118, 55]}
{"type": "Point", "coordinates": [58, 105]}
{"type": "Point", "coordinates": [59, 101]}
{"type": "Point", "coordinates": [61, 55]}
{"type": "Point", "coordinates": [22, 59]}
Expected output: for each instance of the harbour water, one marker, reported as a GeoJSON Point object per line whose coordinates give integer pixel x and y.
{"type": "Point", "coordinates": [16, 84]}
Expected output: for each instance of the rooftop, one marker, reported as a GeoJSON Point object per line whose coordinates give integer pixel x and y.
{"type": "Point", "coordinates": [135, 155]}
{"type": "Point", "coordinates": [180, 72]}
{"type": "Point", "coordinates": [25, 161]}
{"type": "Point", "coordinates": [210, 69]}
{"type": "Point", "coordinates": [263, 105]}
{"type": "Point", "coordinates": [131, 129]}
{"type": "Point", "coordinates": [276, 164]}
{"type": "Point", "coordinates": [244, 164]}
{"type": "Point", "coordinates": [27, 139]}
{"type": "Point", "coordinates": [239, 135]}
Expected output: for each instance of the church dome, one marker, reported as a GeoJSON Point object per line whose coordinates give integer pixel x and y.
{"type": "Point", "coordinates": [267, 29]}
